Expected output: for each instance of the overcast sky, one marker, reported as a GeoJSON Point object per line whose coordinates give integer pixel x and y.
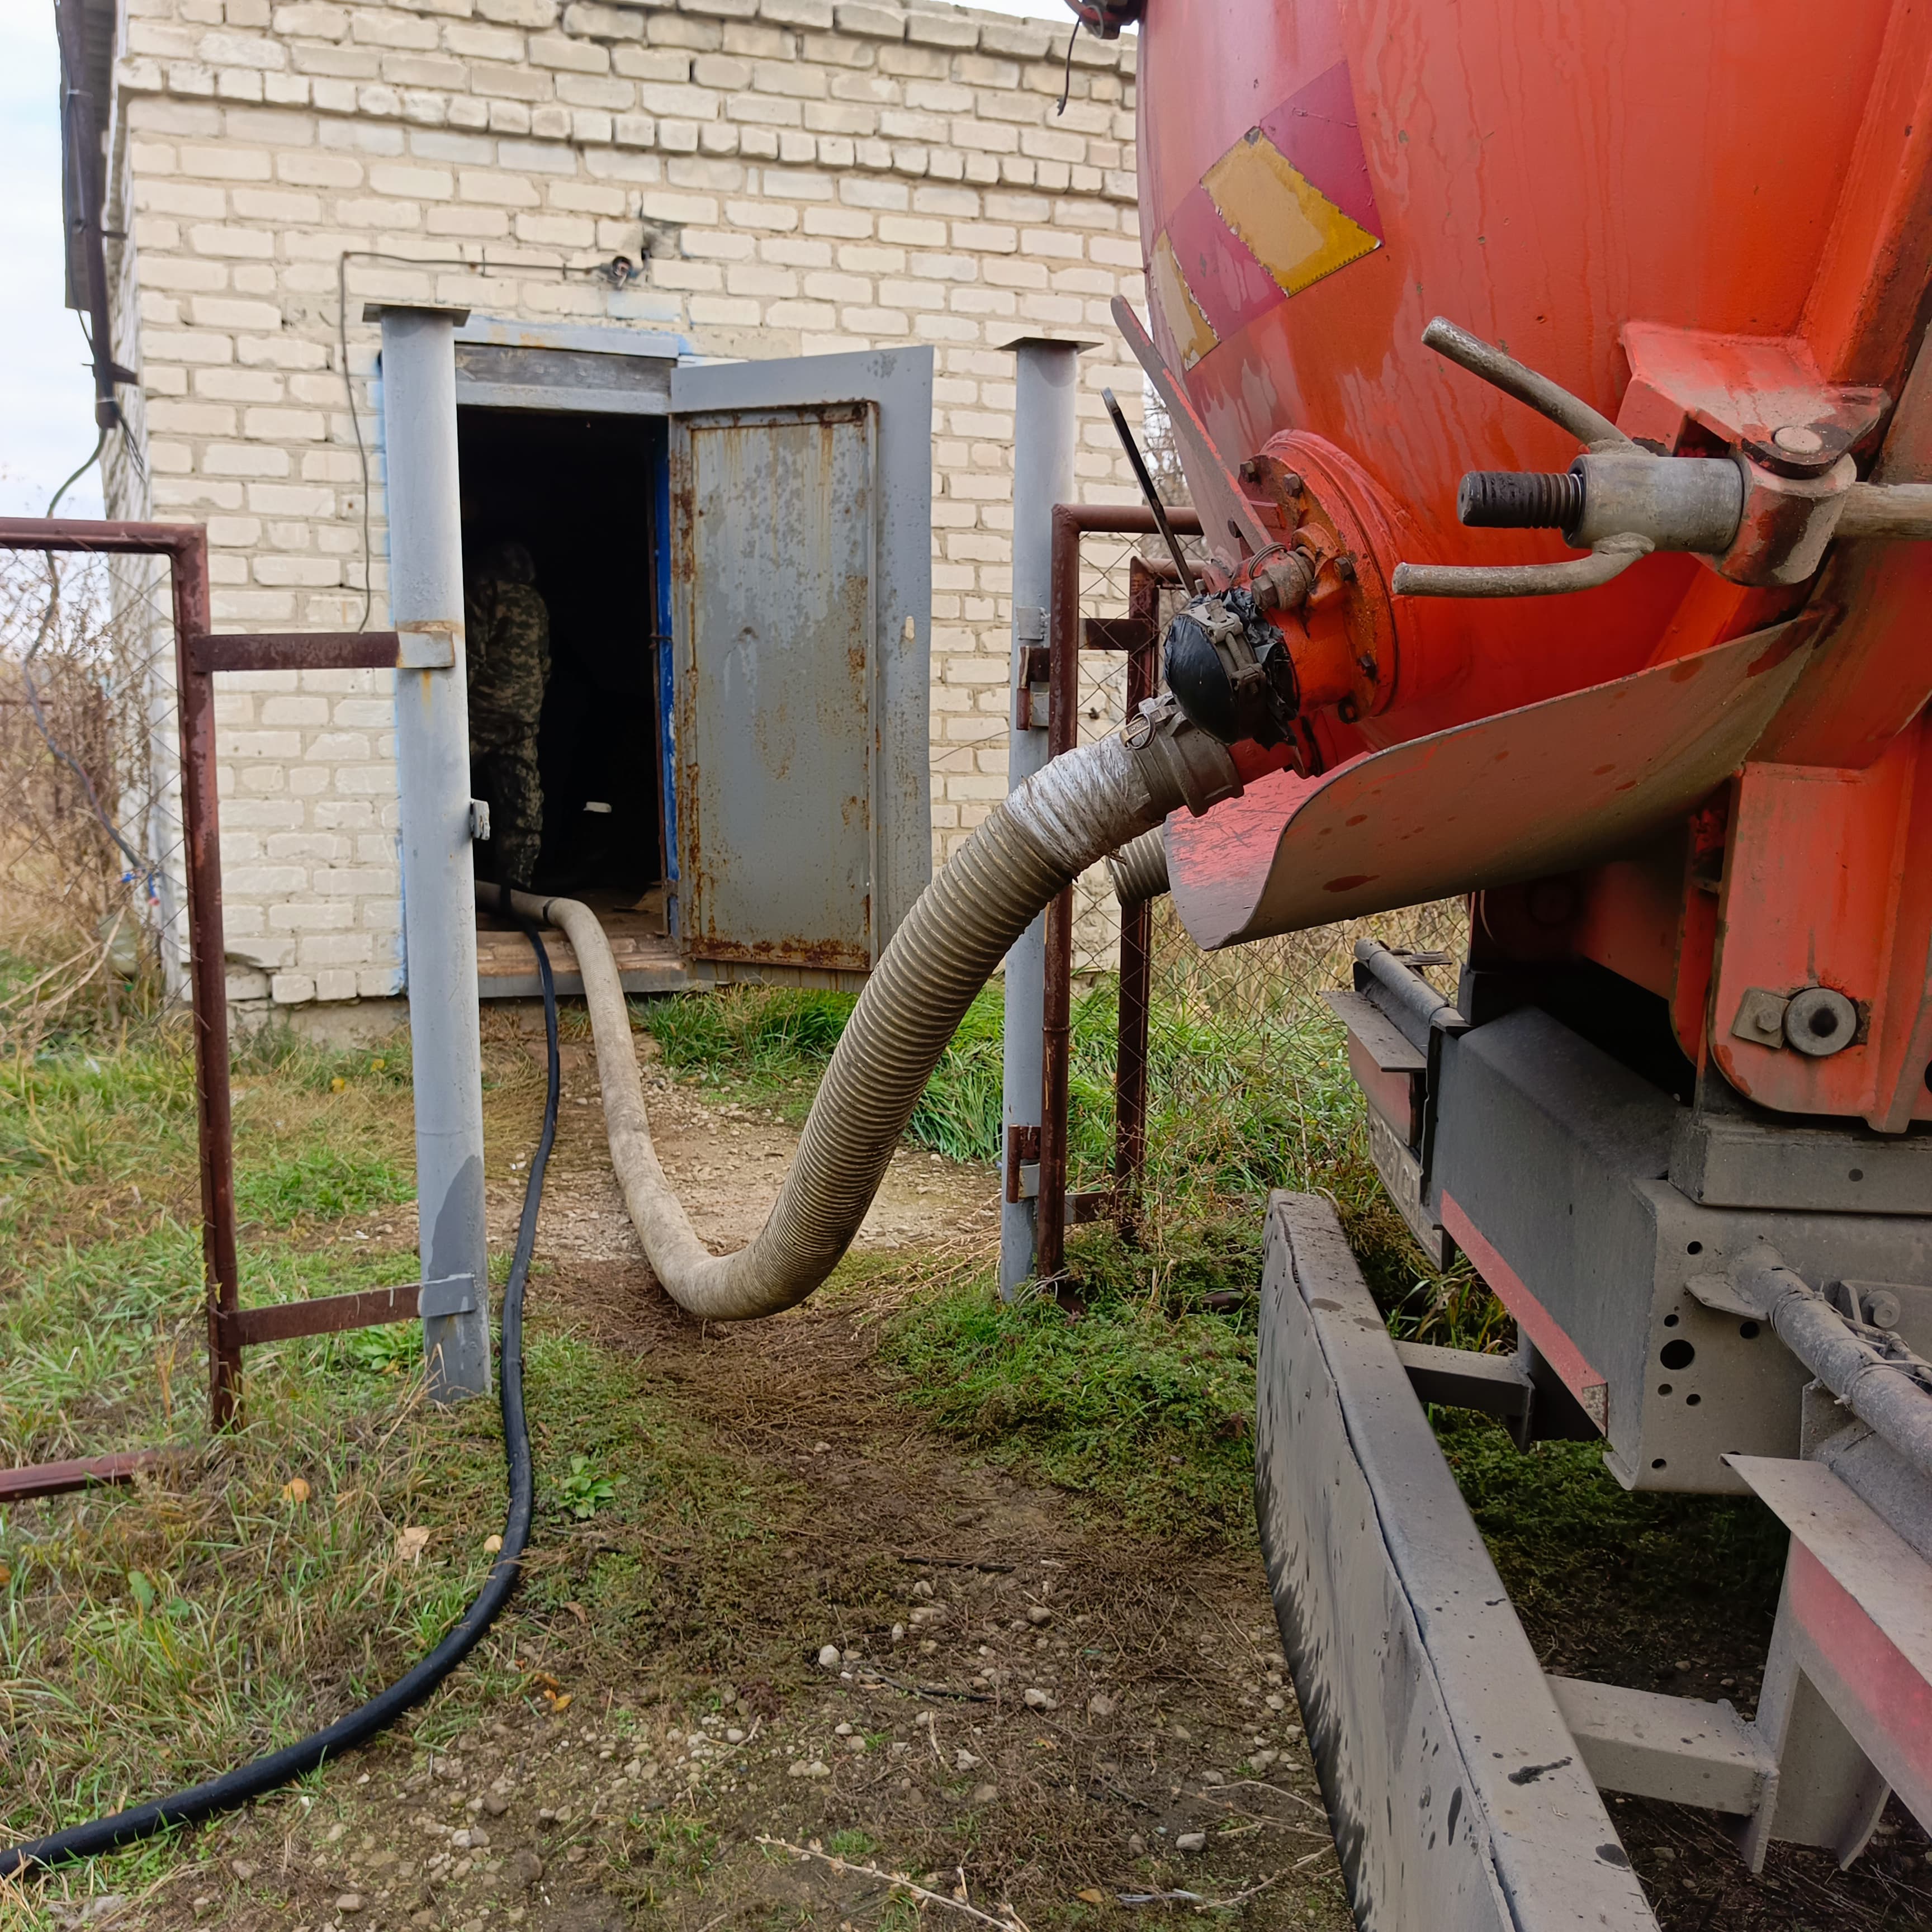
{"type": "Point", "coordinates": [46, 392]}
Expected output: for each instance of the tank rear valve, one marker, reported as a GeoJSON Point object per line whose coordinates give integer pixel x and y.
{"type": "Point", "coordinates": [1230, 670]}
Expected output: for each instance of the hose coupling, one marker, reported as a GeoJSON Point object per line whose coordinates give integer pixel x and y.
{"type": "Point", "coordinates": [1231, 669]}
{"type": "Point", "coordinates": [1177, 760]}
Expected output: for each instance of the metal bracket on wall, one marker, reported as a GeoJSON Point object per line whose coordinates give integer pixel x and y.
{"type": "Point", "coordinates": [1022, 1154]}
{"type": "Point", "coordinates": [1032, 706]}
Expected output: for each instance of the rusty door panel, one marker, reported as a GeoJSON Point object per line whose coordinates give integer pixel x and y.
{"type": "Point", "coordinates": [774, 564]}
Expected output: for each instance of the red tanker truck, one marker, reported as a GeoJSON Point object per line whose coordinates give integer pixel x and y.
{"type": "Point", "coordinates": [1552, 383]}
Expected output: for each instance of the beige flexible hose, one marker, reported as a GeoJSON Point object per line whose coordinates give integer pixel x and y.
{"type": "Point", "coordinates": [1079, 808]}
{"type": "Point", "coordinates": [1138, 870]}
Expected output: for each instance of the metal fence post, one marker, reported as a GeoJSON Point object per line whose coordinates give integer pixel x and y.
{"type": "Point", "coordinates": [1045, 379]}
{"type": "Point", "coordinates": [438, 888]}
{"type": "Point", "coordinates": [1067, 635]}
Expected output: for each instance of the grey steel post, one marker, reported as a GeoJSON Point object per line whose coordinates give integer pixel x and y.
{"type": "Point", "coordinates": [1045, 375]}
{"type": "Point", "coordinates": [438, 879]}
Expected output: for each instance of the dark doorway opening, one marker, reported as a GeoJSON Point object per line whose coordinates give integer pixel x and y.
{"type": "Point", "coordinates": [580, 492]}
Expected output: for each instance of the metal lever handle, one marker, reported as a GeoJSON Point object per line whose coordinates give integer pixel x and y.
{"type": "Point", "coordinates": [1516, 378]}
{"type": "Point", "coordinates": [1183, 569]}
{"type": "Point", "coordinates": [1896, 510]}
{"type": "Point", "coordinates": [1623, 502]}
{"type": "Point", "coordinates": [1610, 558]}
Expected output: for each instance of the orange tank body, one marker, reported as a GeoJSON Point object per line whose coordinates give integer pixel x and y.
{"type": "Point", "coordinates": [1712, 222]}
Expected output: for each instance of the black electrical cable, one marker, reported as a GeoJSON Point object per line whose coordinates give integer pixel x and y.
{"type": "Point", "coordinates": [94, 456]}
{"type": "Point", "coordinates": [296, 1760]}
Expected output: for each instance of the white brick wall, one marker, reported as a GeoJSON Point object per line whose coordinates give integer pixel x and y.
{"type": "Point", "coordinates": [810, 176]}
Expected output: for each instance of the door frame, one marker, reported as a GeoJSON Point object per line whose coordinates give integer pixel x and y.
{"type": "Point", "coordinates": [542, 368]}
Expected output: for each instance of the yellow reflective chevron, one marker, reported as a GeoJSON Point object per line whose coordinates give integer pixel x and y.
{"type": "Point", "coordinates": [1192, 335]}
{"type": "Point", "coordinates": [1289, 225]}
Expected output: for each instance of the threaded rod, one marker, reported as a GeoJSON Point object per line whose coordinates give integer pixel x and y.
{"type": "Point", "coordinates": [1518, 500]}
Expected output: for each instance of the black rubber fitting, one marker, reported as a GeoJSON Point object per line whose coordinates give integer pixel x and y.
{"type": "Point", "coordinates": [1520, 499]}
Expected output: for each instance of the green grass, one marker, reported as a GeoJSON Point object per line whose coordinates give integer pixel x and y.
{"type": "Point", "coordinates": [1129, 1406]}
{"type": "Point", "coordinates": [150, 1638]}
{"type": "Point", "coordinates": [1648, 1575]}
{"type": "Point", "coordinates": [256, 1614]}
{"type": "Point", "coordinates": [99, 1243]}
{"type": "Point", "coordinates": [1241, 1103]}
{"type": "Point", "coordinates": [318, 1181]}
{"type": "Point", "coordinates": [152, 1635]}
{"type": "Point", "coordinates": [770, 1045]}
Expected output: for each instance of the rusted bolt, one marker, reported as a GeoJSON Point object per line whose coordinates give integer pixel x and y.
{"type": "Point", "coordinates": [1344, 568]}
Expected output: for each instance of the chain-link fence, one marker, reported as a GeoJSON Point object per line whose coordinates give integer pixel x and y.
{"type": "Point", "coordinates": [90, 860]}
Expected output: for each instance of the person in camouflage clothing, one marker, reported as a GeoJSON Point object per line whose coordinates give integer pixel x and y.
{"type": "Point", "coordinates": [507, 643]}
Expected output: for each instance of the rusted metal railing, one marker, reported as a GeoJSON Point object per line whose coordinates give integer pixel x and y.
{"type": "Point", "coordinates": [1137, 634]}
{"type": "Point", "coordinates": [199, 656]}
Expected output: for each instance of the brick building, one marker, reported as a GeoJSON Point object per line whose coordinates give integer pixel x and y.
{"type": "Point", "coordinates": [733, 179]}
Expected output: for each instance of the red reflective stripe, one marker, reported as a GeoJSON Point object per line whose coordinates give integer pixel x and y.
{"type": "Point", "coordinates": [1871, 1670]}
{"type": "Point", "coordinates": [1314, 131]}
{"type": "Point", "coordinates": [1229, 287]}
{"type": "Point", "coordinates": [1552, 1342]}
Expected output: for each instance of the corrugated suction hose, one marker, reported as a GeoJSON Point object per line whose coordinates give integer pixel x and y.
{"type": "Point", "coordinates": [1079, 808]}
{"type": "Point", "coordinates": [1139, 869]}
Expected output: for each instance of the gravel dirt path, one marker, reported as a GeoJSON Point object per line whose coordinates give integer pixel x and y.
{"type": "Point", "coordinates": [862, 1656]}
{"type": "Point", "coordinates": [923, 1665]}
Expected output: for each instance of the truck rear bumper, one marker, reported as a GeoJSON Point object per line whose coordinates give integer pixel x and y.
{"type": "Point", "coordinates": [1460, 1799]}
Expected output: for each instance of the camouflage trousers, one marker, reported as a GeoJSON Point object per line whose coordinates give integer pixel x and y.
{"type": "Point", "coordinates": [506, 777]}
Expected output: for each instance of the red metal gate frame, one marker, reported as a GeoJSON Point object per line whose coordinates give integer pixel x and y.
{"type": "Point", "coordinates": [1138, 635]}
{"type": "Point", "coordinates": [199, 656]}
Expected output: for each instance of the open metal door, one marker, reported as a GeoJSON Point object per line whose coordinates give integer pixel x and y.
{"type": "Point", "coordinates": [801, 570]}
